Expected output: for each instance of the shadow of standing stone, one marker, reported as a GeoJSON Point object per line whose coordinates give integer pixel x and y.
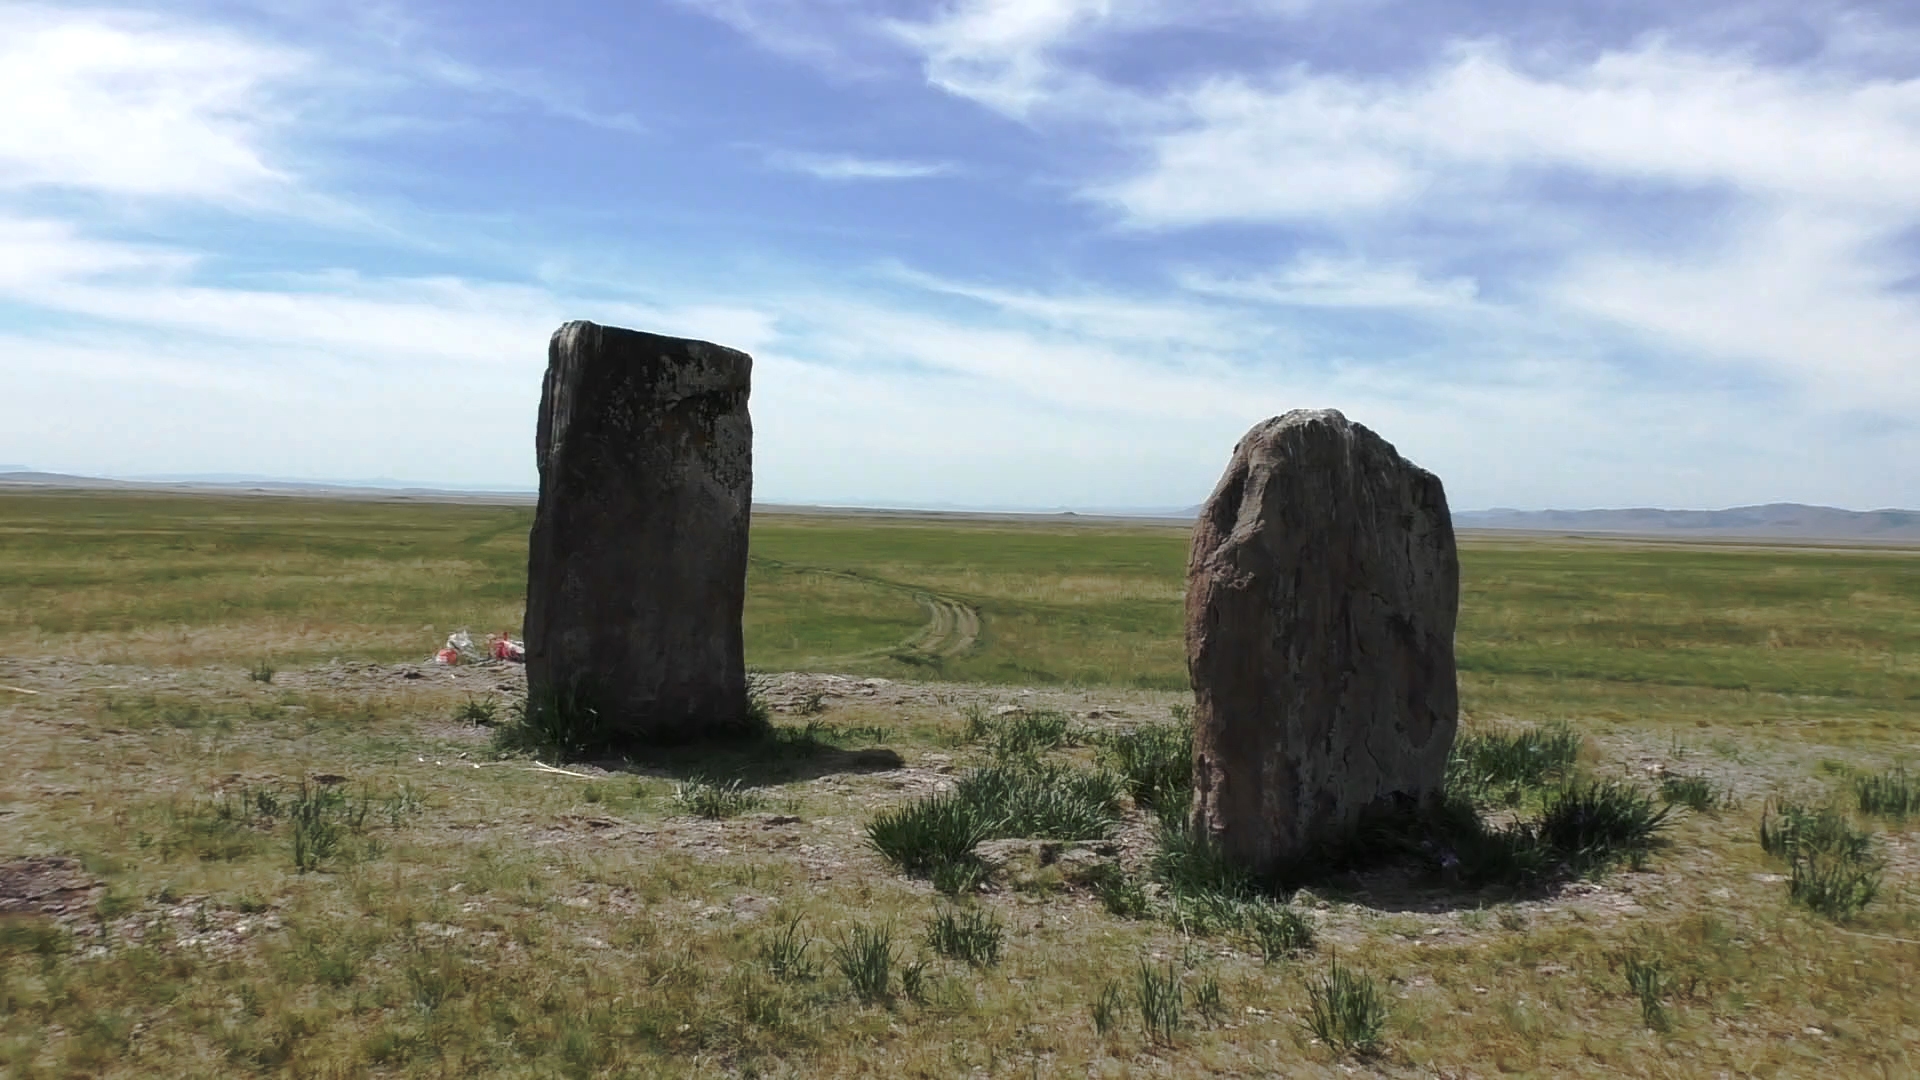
{"type": "Point", "coordinates": [637, 565]}
{"type": "Point", "coordinates": [1322, 591]}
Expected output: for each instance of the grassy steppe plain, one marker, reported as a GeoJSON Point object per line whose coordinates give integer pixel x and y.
{"type": "Point", "coordinates": [506, 921]}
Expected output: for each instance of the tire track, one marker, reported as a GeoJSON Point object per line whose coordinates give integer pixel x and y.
{"type": "Point", "coordinates": [952, 630]}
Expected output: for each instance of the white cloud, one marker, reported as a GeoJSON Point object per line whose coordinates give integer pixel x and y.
{"type": "Point", "coordinates": [131, 104]}
{"type": "Point", "coordinates": [850, 167]}
{"type": "Point", "coordinates": [1305, 144]}
{"type": "Point", "coordinates": [999, 52]}
{"type": "Point", "coordinates": [1016, 56]}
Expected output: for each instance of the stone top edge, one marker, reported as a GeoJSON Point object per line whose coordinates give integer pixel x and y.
{"type": "Point", "coordinates": [1293, 420]}
{"type": "Point", "coordinates": [631, 338]}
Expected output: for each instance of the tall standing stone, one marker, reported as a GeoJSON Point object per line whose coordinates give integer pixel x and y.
{"type": "Point", "coordinates": [636, 573]}
{"type": "Point", "coordinates": [1322, 590]}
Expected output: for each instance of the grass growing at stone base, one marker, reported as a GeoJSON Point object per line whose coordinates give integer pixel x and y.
{"type": "Point", "coordinates": [508, 921]}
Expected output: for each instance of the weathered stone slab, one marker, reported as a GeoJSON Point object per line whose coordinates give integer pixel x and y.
{"type": "Point", "coordinates": [1322, 591]}
{"type": "Point", "coordinates": [636, 573]}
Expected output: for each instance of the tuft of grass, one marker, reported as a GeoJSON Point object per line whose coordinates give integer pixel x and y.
{"type": "Point", "coordinates": [261, 672]}
{"type": "Point", "coordinates": [321, 819]}
{"type": "Point", "coordinates": [1515, 760]}
{"type": "Point", "coordinates": [1833, 885]}
{"type": "Point", "coordinates": [1107, 1007]}
{"type": "Point", "coordinates": [1647, 979]}
{"type": "Point", "coordinates": [913, 981]}
{"type": "Point", "coordinates": [1891, 794]}
{"type": "Point", "coordinates": [758, 721]}
{"type": "Point", "coordinates": [1276, 930]}
{"type": "Point", "coordinates": [979, 721]}
{"type": "Point", "coordinates": [1190, 864]}
{"type": "Point", "coordinates": [1159, 996]}
{"type": "Point", "coordinates": [785, 953]}
{"type": "Point", "coordinates": [866, 958]}
{"type": "Point", "coordinates": [1025, 734]}
{"type": "Point", "coordinates": [1120, 894]}
{"type": "Point", "coordinates": [807, 741]}
{"type": "Point", "coordinates": [1156, 761]}
{"type": "Point", "coordinates": [1789, 828]}
{"type": "Point", "coordinates": [562, 723]}
{"type": "Point", "coordinates": [934, 837]}
{"type": "Point", "coordinates": [1596, 824]}
{"type": "Point", "coordinates": [1833, 869]}
{"type": "Point", "coordinates": [1695, 792]}
{"type": "Point", "coordinates": [929, 835]}
{"type": "Point", "coordinates": [1042, 801]}
{"type": "Point", "coordinates": [1347, 1010]}
{"type": "Point", "coordinates": [973, 936]}
{"type": "Point", "coordinates": [959, 877]}
{"type": "Point", "coordinates": [715, 801]}
{"type": "Point", "coordinates": [483, 711]}
{"type": "Point", "coordinates": [1207, 1000]}
{"type": "Point", "coordinates": [1514, 855]}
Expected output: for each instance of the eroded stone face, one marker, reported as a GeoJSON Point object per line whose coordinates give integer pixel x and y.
{"type": "Point", "coordinates": [636, 571]}
{"type": "Point", "coordinates": [1322, 591]}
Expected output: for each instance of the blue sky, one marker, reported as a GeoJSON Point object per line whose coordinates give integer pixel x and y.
{"type": "Point", "coordinates": [985, 252]}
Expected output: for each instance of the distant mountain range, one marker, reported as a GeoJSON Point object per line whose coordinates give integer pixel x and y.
{"type": "Point", "coordinates": [1782, 521]}
{"type": "Point", "coordinates": [1785, 521]}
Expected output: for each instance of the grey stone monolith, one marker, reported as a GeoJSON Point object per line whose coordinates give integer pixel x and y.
{"type": "Point", "coordinates": [1322, 590]}
{"type": "Point", "coordinates": [636, 572]}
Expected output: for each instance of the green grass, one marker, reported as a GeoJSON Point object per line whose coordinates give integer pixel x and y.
{"type": "Point", "coordinates": [928, 835]}
{"type": "Point", "coordinates": [1156, 760]}
{"type": "Point", "coordinates": [970, 935]}
{"type": "Point", "coordinates": [1593, 825]}
{"type": "Point", "coordinates": [716, 800]}
{"type": "Point", "coordinates": [119, 576]}
{"type": "Point", "coordinates": [1348, 1010]}
{"type": "Point", "coordinates": [1507, 763]}
{"type": "Point", "coordinates": [1833, 884]}
{"type": "Point", "coordinates": [1025, 734]}
{"type": "Point", "coordinates": [1890, 794]}
{"type": "Point", "coordinates": [476, 916]}
{"type": "Point", "coordinates": [1695, 792]}
{"type": "Point", "coordinates": [1028, 799]}
{"type": "Point", "coordinates": [1188, 863]}
{"type": "Point", "coordinates": [866, 957]}
{"type": "Point", "coordinates": [785, 953]}
{"type": "Point", "coordinates": [1788, 827]}
{"type": "Point", "coordinates": [1107, 1008]}
{"type": "Point", "coordinates": [1161, 1000]}
{"type": "Point", "coordinates": [1647, 979]}
{"type": "Point", "coordinates": [1834, 868]}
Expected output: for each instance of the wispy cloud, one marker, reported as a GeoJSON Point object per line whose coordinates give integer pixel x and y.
{"type": "Point", "coordinates": [1820, 303]}
{"type": "Point", "coordinates": [851, 167]}
{"type": "Point", "coordinates": [1325, 281]}
{"type": "Point", "coordinates": [1102, 314]}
